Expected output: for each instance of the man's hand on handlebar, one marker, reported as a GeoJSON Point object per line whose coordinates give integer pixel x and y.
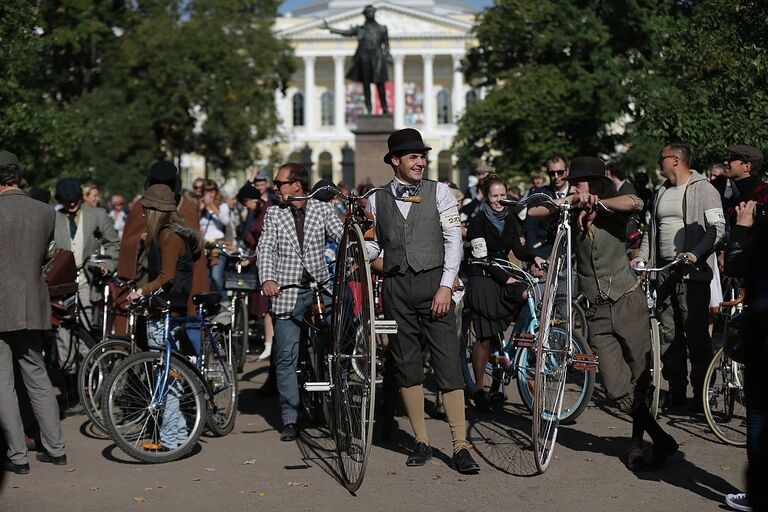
{"type": "Point", "coordinates": [270, 289]}
{"type": "Point", "coordinates": [688, 257]}
{"type": "Point", "coordinates": [638, 263]}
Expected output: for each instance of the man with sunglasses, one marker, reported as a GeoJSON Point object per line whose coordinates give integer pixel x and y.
{"type": "Point", "coordinates": [538, 233]}
{"type": "Point", "coordinates": [292, 252]}
{"type": "Point", "coordinates": [687, 223]}
{"type": "Point", "coordinates": [742, 163]}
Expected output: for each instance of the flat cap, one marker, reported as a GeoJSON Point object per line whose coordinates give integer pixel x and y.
{"type": "Point", "coordinates": [261, 175]}
{"type": "Point", "coordinates": [746, 154]}
{"type": "Point", "coordinates": [8, 158]}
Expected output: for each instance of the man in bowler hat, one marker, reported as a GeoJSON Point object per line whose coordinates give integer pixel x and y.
{"type": "Point", "coordinates": [422, 251]}
{"type": "Point", "coordinates": [26, 226]}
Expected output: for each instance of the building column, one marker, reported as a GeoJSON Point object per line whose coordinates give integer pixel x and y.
{"type": "Point", "coordinates": [309, 94]}
{"type": "Point", "coordinates": [429, 99]}
{"type": "Point", "coordinates": [459, 100]}
{"type": "Point", "coordinates": [339, 95]}
{"type": "Point", "coordinates": [281, 104]}
{"type": "Point", "coordinates": [399, 92]}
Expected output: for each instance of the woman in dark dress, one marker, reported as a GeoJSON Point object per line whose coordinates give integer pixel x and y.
{"type": "Point", "coordinates": [493, 296]}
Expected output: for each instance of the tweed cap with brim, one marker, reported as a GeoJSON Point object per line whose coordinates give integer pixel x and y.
{"type": "Point", "coordinates": [746, 154]}
{"type": "Point", "coordinates": [8, 158]}
{"type": "Point", "coordinates": [159, 197]}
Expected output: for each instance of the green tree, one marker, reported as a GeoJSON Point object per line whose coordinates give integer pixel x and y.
{"type": "Point", "coordinates": [556, 75]}
{"type": "Point", "coordinates": [709, 87]}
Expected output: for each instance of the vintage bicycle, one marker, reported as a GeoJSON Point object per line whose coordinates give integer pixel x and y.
{"type": "Point", "coordinates": [351, 362]}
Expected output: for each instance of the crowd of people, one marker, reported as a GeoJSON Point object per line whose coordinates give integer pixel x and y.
{"type": "Point", "coordinates": [172, 238]}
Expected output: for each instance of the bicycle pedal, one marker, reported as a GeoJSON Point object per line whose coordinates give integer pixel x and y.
{"type": "Point", "coordinates": [524, 340]}
{"type": "Point", "coordinates": [151, 446]}
{"type": "Point", "coordinates": [585, 362]}
{"type": "Point", "coordinates": [174, 374]}
{"type": "Point", "coordinates": [386, 327]}
{"type": "Point", "coordinates": [317, 386]}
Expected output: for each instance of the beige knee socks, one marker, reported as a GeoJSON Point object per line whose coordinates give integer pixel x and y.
{"type": "Point", "coordinates": [413, 398]}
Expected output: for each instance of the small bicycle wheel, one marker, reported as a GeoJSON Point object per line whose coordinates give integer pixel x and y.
{"type": "Point", "coordinates": [579, 384]}
{"type": "Point", "coordinates": [724, 401]}
{"type": "Point", "coordinates": [655, 368]}
{"type": "Point", "coordinates": [97, 365]}
{"type": "Point", "coordinates": [221, 380]}
{"type": "Point", "coordinates": [495, 377]}
{"type": "Point", "coordinates": [354, 361]}
{"type": "Point", "coordinates": [239, 332]}
{"type": "Point", "coordinates": [552, 352]}
{"type": "Point", "coordinates": [147, 427]}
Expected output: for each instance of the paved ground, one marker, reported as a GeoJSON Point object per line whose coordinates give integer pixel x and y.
{"type": "Point", "coordinates": [252, 470]}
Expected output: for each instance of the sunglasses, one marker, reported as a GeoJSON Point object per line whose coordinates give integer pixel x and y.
{"type": "Point", "coordinates": [556, 173]}
{"type": "Point", "coordinates": [278, 183]}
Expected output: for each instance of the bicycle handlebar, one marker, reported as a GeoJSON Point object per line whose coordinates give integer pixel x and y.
{"type": "Point", "coordinates": [661, 269]}
{"type": "Point", "coordinates": [350, 198]}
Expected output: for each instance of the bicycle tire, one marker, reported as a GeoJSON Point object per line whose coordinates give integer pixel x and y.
{"type": "Point", "coordinates": [221, 382]}
{"type": "Point", "coordinates": [655, 368]}
{"type": "Point", "coordinates": [127, 406]}
{"type": "Point", "coordinates": [551, 363]}
{"type": "Point", "coordinates": [308, 371]}
{"type": "Point", "coordinates": [495, 379]}
{"type": "Point", "coordinates": [94, 370]}
{"type": "Point", "coordinates": [354, 338]}
{"type": "Point", "coordinates": [723, 400]}
{"type": "Point", "coordinates": [579, 386]}
{"type": "Point", "coordinates": [84, 336]}
{"type": "Point", "coordinates": [239, 331]}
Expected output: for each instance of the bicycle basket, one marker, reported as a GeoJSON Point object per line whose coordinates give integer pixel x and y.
{"type": "Point", "coordinates": [240, 281]}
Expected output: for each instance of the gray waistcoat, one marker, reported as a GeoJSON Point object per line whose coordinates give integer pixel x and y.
{"type": "Point", "coordinates": [416, 241]}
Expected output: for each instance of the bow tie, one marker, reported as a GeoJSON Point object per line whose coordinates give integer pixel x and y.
{"type": "Point", "coordinates": [402, 189]}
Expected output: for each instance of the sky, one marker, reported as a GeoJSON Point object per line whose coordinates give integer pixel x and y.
{"type": "Point", "coordinates": [293, 4]}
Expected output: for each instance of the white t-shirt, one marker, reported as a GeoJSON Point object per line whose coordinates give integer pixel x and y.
{"type": "Point", "coordinates": [212, 226]}
{"type": "Point", "coordinates": [669, 218]}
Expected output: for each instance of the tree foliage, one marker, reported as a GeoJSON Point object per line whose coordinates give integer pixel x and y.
{"type": "Point", "coordinates": [557, 76]}
{"type": "Point", "coordinates": [100, 89]}
{"type": "Point", "coordinates": [709, 87]}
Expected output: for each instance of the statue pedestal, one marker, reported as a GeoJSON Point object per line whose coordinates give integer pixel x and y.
{"type": "Point", "coordinates": [370, 147]}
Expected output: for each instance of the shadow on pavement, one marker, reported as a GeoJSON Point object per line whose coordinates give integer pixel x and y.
{"type": "Point", "coordinates": [249, 402]}
{"type": "Point", "coordinates": [87, 429]}
{"type": "Point", "coordinates": [317, 446]}
{"type": "Point", "coordinates": [110, 451]}
{"type": "Point", "coordinates": [503, 439]}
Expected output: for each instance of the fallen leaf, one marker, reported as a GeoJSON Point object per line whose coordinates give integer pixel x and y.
{"type": "Point", "coordinates": [436, 477]}
{"type": "Point", "coordinates": [725, 467]}
{"type": "Point", "coordinates": [252, 461]}
{"type": "Point", "coordinates": [196, 479]}
{"type": "Point", "coordinates": [262, 494]}
{"type": "Point", "coordinates": [139, 500]}
{"type": "Point", "coordinates": [391, 472]}
{"type": "Point", "coordinates": [210, 469]}
{"type": "Point", "coordinates": [297, 484]}
{"type": "Point", "coordinates": [161, 487]}
{"type": "Point", "coordinates": [587, 459]}
{"type": "Point", "coordinates": [93, 488]}
{"type": "Point", "coordinates": [70, 470]}
{"type": "Point", "coordinates": [251, 424]}
{"type": "Point", "coordinates": [147, 488]}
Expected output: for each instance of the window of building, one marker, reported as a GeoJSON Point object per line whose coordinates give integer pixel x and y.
{"type": "Point", "coordinates": [471, 97]}
{"type": "Point", "coordinates": [443, 107]}
{"type": "Point", "coordinates": [326, 107]}
{"type": "Point", "coordinates": [325, 166]}
{"type": "Point", "coordinates": [444, 166]}
{"type": "Point", "coordinates": [298, 109]}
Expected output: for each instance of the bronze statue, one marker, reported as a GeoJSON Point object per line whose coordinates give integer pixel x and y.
{"type": "Point", "coordinates": [369, 64]}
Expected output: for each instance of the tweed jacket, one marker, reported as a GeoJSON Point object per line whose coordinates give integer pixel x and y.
{"type": "Point", "coordinates": [279, 256]}
{"type": "Point", "coordinates": [98, 233]}
{"type": "Point", "coordinates": [26, 231]}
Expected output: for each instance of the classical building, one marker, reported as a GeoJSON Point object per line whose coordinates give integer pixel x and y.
{"type": "Point", "coordinates": [319, 110]}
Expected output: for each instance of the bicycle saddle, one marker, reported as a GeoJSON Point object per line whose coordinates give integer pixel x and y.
{"type": "Point", "coordinates": [206, 299]}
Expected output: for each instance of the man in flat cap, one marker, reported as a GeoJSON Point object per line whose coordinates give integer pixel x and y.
{"type": "Point", "coordinates": [260, 181]}
{"type": "Point", "coordinates": [25, 318]}
{"type": "Point", "coordinates": [742, 165]}
{"type": "Point", "coordinates": [85, 231]}
{"type": "Point", "coordinates": [422, 252]}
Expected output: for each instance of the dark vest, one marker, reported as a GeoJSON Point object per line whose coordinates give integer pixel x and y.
{"type": "Point", "coordinates": [414, 242]}
{"type": "Point", "coordinates": [178, 293]}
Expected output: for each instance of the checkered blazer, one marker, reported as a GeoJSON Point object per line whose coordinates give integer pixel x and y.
{"type": "Point", "coordinates": [279, 257]}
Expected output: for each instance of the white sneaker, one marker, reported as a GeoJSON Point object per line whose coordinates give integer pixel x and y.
{"type": "Point", "coordinates": [738, 501]}
{"type": "Point", "coordinates": [267, 351]}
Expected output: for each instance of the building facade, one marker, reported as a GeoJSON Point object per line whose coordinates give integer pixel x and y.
{"type": "Point", "coordinates": [427, 39]}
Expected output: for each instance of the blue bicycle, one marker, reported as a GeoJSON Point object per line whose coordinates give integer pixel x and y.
{"type": "Point", "coordinates": [515, 359]}
{"type": "Point", "coordinates": [156, 403]}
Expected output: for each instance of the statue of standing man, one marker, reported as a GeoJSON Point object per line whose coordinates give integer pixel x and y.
{"type": "Point", "coordinates": [369, 64]}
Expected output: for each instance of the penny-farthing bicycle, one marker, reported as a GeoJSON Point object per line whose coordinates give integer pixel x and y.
{"type": "Point", "coordinates": [554, 352]}
{"type": "Point", "coordinates": [352, 358]}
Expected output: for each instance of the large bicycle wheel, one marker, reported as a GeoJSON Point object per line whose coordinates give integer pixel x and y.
{"type": "Point", "coordinates": [150, 428]}
{"type": "Point", "coordinates": [579, 384]}
{"type": "Point", "coordinates": [221, 380]}
{"type": "Point", "coordinates": [495, 376]}
{"type": "Point", "coordinates": [552, 352]}
{"type": "Point", "coordinates": [239, 331]}
{"type": "Point", "coordinates": [96, 366]}
{"type": "Point", "coordinates": [354, 361]}
{"type": "Point", "coordinates": [724, 401]}
{"type": "Point", "coordinates": [655, 368]}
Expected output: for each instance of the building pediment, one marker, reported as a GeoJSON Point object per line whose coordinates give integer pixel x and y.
{"type": "Point", "coordinates": [401, 22]}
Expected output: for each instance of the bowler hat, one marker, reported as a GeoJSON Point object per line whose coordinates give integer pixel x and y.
{"type": "Point", "coordinates": [159, 197]}
{"type": "Point", "coordinates": [248, 191]}
{"type": "Point", "coordinates": [405, 141]}
{"type": "Point", "coordinates": [163, 171]}
{"type": "Point", "coordinates": [68, 190]}
{"type": "Point", "coordinates": [8, 158]}
{"type": "Point", "coordinates": [586, 167]}
{"type": "Point", "coordinates": [746, 154]}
